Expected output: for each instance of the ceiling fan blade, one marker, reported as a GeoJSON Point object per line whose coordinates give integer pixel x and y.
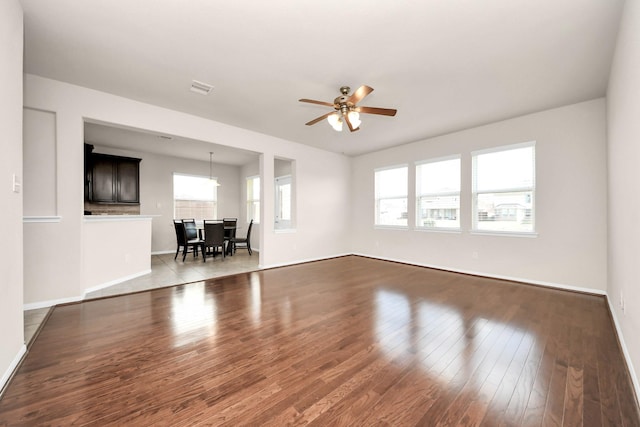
{"type": "Point", "coordinates": [359, 94]}
{"type": "Point", "coordinates": [319, 119]}
{"type": "Point", "coordinates": [374, 110]}
{"type": "Point", "coordinates": [313, 101]}
{"type": "Point", "coordinates": [351, 128]}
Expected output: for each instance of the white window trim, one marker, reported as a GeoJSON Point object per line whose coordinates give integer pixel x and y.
{"type": "Point", "coordinates": [503, 148]}
{"type": "Point", "coordinates": [438, 159]}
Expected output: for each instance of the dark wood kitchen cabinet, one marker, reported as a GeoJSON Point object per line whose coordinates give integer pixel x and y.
{"type": "Point", "coordinates": [114, 179]}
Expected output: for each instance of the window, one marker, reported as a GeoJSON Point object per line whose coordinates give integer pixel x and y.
{"type": "Point", "coordinates": [195, 197]}
{"type": "Point", "coordinates": [504, 189]}
{"type": "Point", "coordinates": [438, 194]}
{"type": "Point", "coordinates": [253, 199]}
{"type": "Point", "coordinates": [283, 202]}
{"type": "Point", "coordinates": [391, 196]}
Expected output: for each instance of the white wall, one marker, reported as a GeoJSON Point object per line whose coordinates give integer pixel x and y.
{"type": "Point", "coordinates": [623, 102]}
{"type": "Point", "coordinates": [39, 152]}
{"type": "Point", "coordinates": [322, 175]}
{"type": "Point", "coordinates": [11, 274]}
{"type": "Point", "coordinates": [571, 197]}
{"type": "Point", "coordinates": [156, 190]}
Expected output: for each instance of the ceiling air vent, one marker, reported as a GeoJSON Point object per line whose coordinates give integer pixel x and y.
{"type": "Point", "coordinates": [201, 88]}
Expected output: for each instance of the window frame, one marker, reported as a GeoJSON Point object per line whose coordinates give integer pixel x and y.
{"type": "Point", "coordinates": [377, 199]}
{"type": "Point", "coordinates": [420, 195]}
{"type": "Point", "coordinates": [505, 190]}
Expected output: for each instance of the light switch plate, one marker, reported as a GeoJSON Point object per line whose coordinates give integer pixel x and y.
{"type": "Point", "coordinates": [16, 184]}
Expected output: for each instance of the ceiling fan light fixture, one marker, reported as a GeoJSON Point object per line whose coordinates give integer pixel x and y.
{"type": "Point", "coordinates": [335, 120]}
{"type": "Point", "coordinates": [346, 109]}
{"type": "Point", "coordinates": [354, 118]}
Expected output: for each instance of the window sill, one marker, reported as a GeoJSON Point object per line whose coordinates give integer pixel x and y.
{"type": "Point", "coordinates": [284, 230]}
{"type": "Point", "coordinates": [391, 227]}
{"type": "Point", "coordinates": [528, 234]}
{"type": "Point", "coordinates": [31, 219]}
{"type": "Point", "coordinates": [439, 230]}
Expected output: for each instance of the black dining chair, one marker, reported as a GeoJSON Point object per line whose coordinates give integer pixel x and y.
{"type": "Point", "coordinates": [243, 242]}
{"type": "Point", "coordinates": [179, 227]}
{"type": "Point", "coordinates": [230, 225]}
{"type": "Point", "coordinates": [214, 238]}
{"type": "Point", "coordinates": [187, 237]}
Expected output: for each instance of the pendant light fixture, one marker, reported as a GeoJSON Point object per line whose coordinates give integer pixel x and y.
{"type": "Point", "coordinates": [217, 184]}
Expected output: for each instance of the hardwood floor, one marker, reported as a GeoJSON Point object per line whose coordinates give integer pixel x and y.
{"type": "Point", "coordinates": [347, 341]}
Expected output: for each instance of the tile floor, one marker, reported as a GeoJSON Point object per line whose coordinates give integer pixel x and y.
{"type": "Point", "coordinates": [32, 321]}
{"type": "Point", "coordinates": [165, 271]}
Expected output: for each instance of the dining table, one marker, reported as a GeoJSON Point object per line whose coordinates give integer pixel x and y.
{"type": "Point", "coordinates": [229, 233]}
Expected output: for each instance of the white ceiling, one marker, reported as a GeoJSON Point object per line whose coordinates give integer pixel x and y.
{"type": "Point", "coordinates": [445, 65]}
{"type": "Point", "coordinates": [168, 145]}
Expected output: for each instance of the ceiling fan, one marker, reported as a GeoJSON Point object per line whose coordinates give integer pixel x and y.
{"type": "Point", "coordinates": [347, 110]}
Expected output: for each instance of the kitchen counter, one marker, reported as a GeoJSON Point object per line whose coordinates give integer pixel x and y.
{"type": "Point", "coordinates": [103, 218]}
{"type": "Point", "coordinates": [115, 248]}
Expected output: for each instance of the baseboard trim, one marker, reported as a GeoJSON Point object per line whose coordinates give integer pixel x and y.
{"type": "Point", "coordinates": [11, 370]}
{"type": "Point", "coordinates": [494, 276]}
{"type": "Point", "coordinates": [115, 282]}
{"type": "Point", "coordinates": [625, 350]}
{"type": "Point", "coordinates": [50, 303]}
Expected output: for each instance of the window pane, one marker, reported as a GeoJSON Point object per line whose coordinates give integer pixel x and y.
{"type": "Point", "coordinates": [505, 211]}
{"type": "Point", "coordinates": [253, 188]}
{"type": "Point", "coordinates": [194, 187]}
{"type": "Point", "coordinates": [439, 211]}
{"type": "Point", "coordinates": [439, 177]}
{"type": "Point", "coordinates": [253, 199]}
{"type": "Point", "coordinates": [197, 209]}
{"type": "Point", "coordinates": [194, 197]}
{"type": "Point", "coordinates": [504, 190]}
{"type": "Point", "coordinates": [253, 211]}
{"type": "Point", "coordinates": [392, 212]}
{"type": "Point", "coordinates": [438, 194]}
{"type": "Point", "coordinates": [505, 169]}
{"type": "Point", "coordinates": [391, 196]}
{"type": "Point", "coordinates": [391, 182]}
{"type": "Point", "coordinates": [285, 202]}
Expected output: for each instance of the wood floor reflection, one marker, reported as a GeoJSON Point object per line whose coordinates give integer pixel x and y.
{"type": "Point", "coordinates": [347, 341]}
